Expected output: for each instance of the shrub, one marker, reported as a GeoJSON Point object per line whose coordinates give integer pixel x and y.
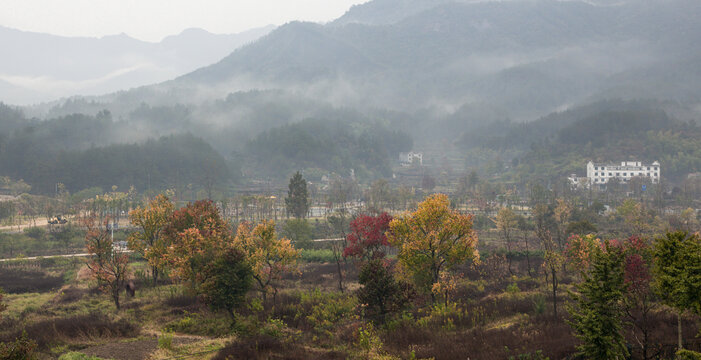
{"type": "Point", "coordinates": [368, 339]}
{"type": "Point", "coordinates": [326, 315]}
{"type": "Point", "coordinates": [539, 305]}
{"type": "Point", "coordinates": [70, 295]}
{"type": "Point", "coordinates": [688, 355]}
{"type": "Point", "coordinates": [18, 281]}
{"type": "Point", "coordinates": [512, 289]}
{"type": "Point", "coordinates": [381, 295]}
{"type": "Point", "coordinates": [198, 324]}
{"type": "Point", "coordinates": [22, 348]}
{"type": "Point", "coordinates": [165, 341]}
{"type": "Point", "coordinates": [180, 300]}
{"type": "Point", "coordinates": [229, 278]}
{"type": "Point", "coordinates": [35, 232]}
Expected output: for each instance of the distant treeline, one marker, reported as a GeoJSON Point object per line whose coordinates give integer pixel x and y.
{"type": "Point", "coordinates": [330, 145]}
{"type": "Point", "coordinates": [83, 151]}
{"type": "Point", "coordinates": [75, 150]}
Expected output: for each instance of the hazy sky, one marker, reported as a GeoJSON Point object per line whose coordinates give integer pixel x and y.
{"type": "Point", "coordinates": [152, 20]}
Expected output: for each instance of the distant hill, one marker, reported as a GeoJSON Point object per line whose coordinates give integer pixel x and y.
{"type": "Point", "coordinates": [605, 132]}
{"type": "Point", "coordinates": [461, 78]}
{"type": "Point", "coordinates": [45, 67]}
{"type": "Point", "coordinates": [525, 57]}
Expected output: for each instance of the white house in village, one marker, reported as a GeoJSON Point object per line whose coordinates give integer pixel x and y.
{"type": "Point", "coordinates": [578, 182]}
{"type": "Point", "coordinates": [407, 159]}
{"type": "Point", "coordinates": [600, 174]}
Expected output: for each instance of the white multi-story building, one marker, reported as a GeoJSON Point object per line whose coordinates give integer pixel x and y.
{"type": "Point", "coordinates": [600, 174]}
{"type": "Point", "coordinates": [410, 158]}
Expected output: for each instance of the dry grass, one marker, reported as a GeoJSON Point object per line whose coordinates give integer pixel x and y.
{"type": "Point", "coordinates": [66, 330]}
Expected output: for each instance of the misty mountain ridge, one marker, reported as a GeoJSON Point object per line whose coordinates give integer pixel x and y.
{"type": "Point", "coordinates": [446, 53]}
{"type": "Point", "coordinates": [40, 67]}
{"type": "Point", "coordinates": [449, 74]}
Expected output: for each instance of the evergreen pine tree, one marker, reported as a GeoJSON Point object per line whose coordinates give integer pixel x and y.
{"type": "Point", "coordinates": [297, 197]}
{"type": "Point", "coordinates": [597, 313]}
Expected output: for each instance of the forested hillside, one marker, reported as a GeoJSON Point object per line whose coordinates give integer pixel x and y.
{"type": "Point", "coordinates": [645, 135]}
{"type": "Point", "coordinates": [329, 145]}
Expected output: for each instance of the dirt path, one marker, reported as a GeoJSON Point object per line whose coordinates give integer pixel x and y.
{"type": "Point", "coordinates": [128, 350]}
{"type": "Point", "coordinates": [132, 349]}
{"type": "Point", "coordinates": [40, 222]}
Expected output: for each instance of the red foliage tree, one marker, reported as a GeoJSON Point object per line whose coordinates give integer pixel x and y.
{"type": "Point", "coordinates": [640, 299]}
{"type": "Point", "coordinates": [367, 240]}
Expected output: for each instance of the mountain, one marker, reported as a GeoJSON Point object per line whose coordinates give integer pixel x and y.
{"type": "Point", "coordinates": [526, 57]}
{"type": "Point", "coordinates": [47, 67]}
{"type": "Point", "coordinates": [385, 12]}
{"type": "Point", "coordinates": [435, 69]}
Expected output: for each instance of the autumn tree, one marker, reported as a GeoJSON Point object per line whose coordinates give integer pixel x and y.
{"type": "Point", "coordinates": [379, 195]}
{"type": "Point", "coordinates": [636, 217]}
{"type": "Point", "coordinates": [561, 214]}
{"type": "Point", "coordinates": [431, 239]}
{"type": "Point", "coordinates": [297, 200]}
{"type": "Point", "coordinates": [269, 256]}
{"type": "Point", "coordinates": [580, 251]}
{"type": "Point", "coordinates": [526, 229]}
{"type": "Point", "coordinates": [507, 221]}
{"type": "Point", "coordinates": [597, 315]}
{"type": "Point", "coordinates": [544, 225]}
{"type": "Point", "coordinates": [640, 299]}
{"type": "Point", "coordinates": [107, 265]}
{"type": "Point", "coordinates": [196, 235]}
{"type": "Point", "coordinates": [677, 271]}
{"type": "Point", "coordinates": [151, 221]}
{"type": "Point", "coordinates": [337, 225]}
{"type": "Point", "coordinates": [367, 239]}
{"type": "Point", "coordinates": [341, 191]}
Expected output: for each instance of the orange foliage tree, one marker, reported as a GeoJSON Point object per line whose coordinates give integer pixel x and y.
{"type": "Point", "coordinates": [268, 255]}
{"type": "Point", "coordinates": [431, 239]}
{"type": "Point", "coordinates": [196, 235]}
{"type": "Point", "coordinates": [580, 251]}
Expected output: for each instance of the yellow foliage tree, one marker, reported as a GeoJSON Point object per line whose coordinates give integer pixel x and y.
{"type": "Point", "coordinates": [268, 255]}
{"type": "Point", "coordinates": [431, 239]}
{"type": "Point", "coordinates": [149, 242]}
